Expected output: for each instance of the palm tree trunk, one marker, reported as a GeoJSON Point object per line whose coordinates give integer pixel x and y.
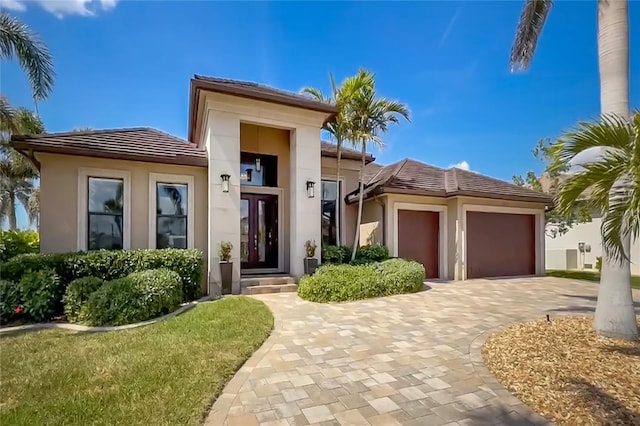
{"type": "Point", "coordinates": [13, 223]}
{"type": "Point", "coordinates": [356, 239]}
{"type": "Point", "coordinates": [338, 193]}
{"type": "Point", "coordinates": [615, 316]}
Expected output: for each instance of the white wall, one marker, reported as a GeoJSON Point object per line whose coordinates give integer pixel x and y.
{"type": "Point", "coordinates": [588, 233]}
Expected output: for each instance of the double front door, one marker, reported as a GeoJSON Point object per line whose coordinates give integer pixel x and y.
{"type": "Point", "coordinates": [258, 231]}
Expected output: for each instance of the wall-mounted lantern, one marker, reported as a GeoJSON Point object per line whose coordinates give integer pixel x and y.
{"type": "Point", "coordinates": [225, 182]}
{"type": "Point", "coordinates": [310, 188]}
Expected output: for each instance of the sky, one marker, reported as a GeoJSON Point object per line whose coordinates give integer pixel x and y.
{"type": "Point", "coordinates": [123, 63]}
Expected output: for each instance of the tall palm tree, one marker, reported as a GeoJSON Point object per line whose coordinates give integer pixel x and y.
{"type": "Point", "coordinates": [620, 162]}
{"type": "Point", "coordinates": [339, 128]}
{"type": "Point", "coordinates": [18, 175]}
{"type": "Point", "coordinates": [368, 116]}
{"type": "Point", "coordinates": [18, 41]}
{"type": "Point", "coordinates": [614, 293]}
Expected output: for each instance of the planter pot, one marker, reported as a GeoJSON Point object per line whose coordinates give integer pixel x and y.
{"type": "Point", "coordinates": [310, 265]}
{"type": "Point", "coordinates": [226, 276]}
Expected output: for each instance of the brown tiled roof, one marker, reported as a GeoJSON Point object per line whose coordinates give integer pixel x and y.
{"type": "Point", "coordinates": [329, 149]}
{"type": "Point", "coordinates": [414, 177]}
{"type": "Point", "coordinates": [136, 144]}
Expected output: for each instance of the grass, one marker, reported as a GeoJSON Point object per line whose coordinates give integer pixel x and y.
{"type": "Point", "coordinates": [164, 374]}
{"type": "Point", "coordinates": [587, 276]}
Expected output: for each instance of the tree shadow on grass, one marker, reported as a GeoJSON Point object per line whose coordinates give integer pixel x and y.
{"type": "Point", "coordinates": [605, 408]}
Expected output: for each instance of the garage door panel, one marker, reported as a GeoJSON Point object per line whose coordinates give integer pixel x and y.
{"type": "Point", "coordinates": [418, 238]}
{"type": "Point", "coordinates": [500, 244]}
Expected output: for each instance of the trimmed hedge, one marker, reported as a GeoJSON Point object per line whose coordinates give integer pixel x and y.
{"type": "Point", "coordinates": [10, 299]}
{"type": "Point", "coordinates": [112, 264]}
{"type": "Point", "coordinates": [364, 255]}
{"type": "Point", "coordinates": [340, 283]}
{"type": "Point", "coordinates": [137, 297]}
{"type": "Point", "coordinates": [41, 292]}
{"type": "Point", "coordinates": [77, 294]}
{"type": "Point", "coordinates": [15, 242]}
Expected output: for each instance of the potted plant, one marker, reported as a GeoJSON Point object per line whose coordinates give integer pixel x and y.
{"type": "Point", "coordinates": [310, 262]}
{"type": "Point", "coordinates": [226, 266]}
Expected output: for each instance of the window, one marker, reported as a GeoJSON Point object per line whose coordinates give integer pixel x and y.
{"type": "Point", "coordinates": [171, 210]}
{"type": "Point", "coordinates": [105, 213]}
{"type": "Point", "coordinates": [330, 214]}
{"type": "Point", "coordinates": [258, 169]}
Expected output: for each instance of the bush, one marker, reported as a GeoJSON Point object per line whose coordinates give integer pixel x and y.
{"type": "Point", "coordinates": [137, 297]}
{"type": "Point", "coordinates": [339, 283]}
{"type": "Point", "coordinates": [10, 299]}
{"type": "Point", "coordinates": [336, 254]}
{"type": "Point", "coordinates": [599, 263]}
{"type": "Point", "coordinates": [41, 294]}
{"type": "Point", "coordinates": [77, 294]}
{"type": "Point", "coordinates": [372, 253]}
{"type": "Point", "coordinates": [112, 264]}
{"type": "Point", "coordinates": [15, 242]}
{"type": "Point", "coordinates": [364, 255]}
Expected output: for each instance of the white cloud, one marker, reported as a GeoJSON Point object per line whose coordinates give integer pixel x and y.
{"type": "Point", "coordinates": [461, 165]}
{"type": "Point", "coordinates": [16, 5]}
{"type": "Point", "coordinates": [61, 8]}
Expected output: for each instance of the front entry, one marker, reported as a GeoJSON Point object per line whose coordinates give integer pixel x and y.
{"type": "Point", "coordinates": [258, 231]}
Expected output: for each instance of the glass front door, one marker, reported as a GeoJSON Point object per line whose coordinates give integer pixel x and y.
{"type": "Point", "coordinates": [258, 231]}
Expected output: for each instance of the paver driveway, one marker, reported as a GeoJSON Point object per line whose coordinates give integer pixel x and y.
{"type": "Point", "coordinates": [408, 359]}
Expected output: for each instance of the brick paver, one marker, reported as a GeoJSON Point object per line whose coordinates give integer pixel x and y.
{"type": "Point", "coordinates": [408, 360]}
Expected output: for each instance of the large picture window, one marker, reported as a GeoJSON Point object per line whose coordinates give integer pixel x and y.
{"type": "Point", "coordinates": [172, 215]}
{"type": "Point", "coordinates": [330, 215]}
{"type": "Point", "coordinates": [105, 213]}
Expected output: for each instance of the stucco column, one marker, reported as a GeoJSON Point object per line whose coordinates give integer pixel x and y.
{"type": "Point", "coordinates": [305, 164]}
{"type": "Point", "coordinates": [222, 139]}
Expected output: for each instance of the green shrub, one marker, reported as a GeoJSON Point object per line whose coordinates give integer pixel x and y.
{"type": "Point", "coordinates": [372, 253]}
{"type": "Point", "coordinates": [15, 242]}
{"type": "Point", "coordinates": [78, 292]}
{"type": "Point", "coordinates": [336, 254]}
{"type": "Point", "coordinates": [137, 297]}
{"type": "Point", "coordinates": [339, 283]}
{"type": "Point", "coordinates": [401, 276]}
{"type": "Point", "coordinates": [10, 299]}
{"type": "Point", "coordinates": [112, 264]}
{"type": "Point", "coordinates": [41, 294]}
{"type": "Point", "coordinates": [599, 263]}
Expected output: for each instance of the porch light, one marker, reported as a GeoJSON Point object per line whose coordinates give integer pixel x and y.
{"type": "Point", "coordinates": [258, 164]}
{"type": "Point", "coordinates": [225, 182]}
{"type": "Point", "coordinates": [310, 188]}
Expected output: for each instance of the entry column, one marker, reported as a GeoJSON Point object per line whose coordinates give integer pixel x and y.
{"type": "Point", "coordinates": [305, 163]}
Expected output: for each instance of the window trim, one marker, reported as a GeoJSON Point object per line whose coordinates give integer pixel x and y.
{"type": "Point", "coordinates": [340, 200]}
{"type": "Point", "coordinates": [83, 203]}
{"type": "Point", "coordinates": [154, 180]}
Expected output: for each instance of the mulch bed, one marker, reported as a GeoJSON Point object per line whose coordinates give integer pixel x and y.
{"type": "Point", "coordinates": [567, 373]}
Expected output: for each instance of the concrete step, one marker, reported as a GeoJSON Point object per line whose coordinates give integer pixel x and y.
{"type": "Point", "coordinates": [270, 288]}
{"type": "Point", "coordinates": [266, 280]}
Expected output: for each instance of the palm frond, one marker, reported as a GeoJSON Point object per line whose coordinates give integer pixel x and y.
{"type": "Point", "coordinates": [534, 15]}
{"type": "Point", "coordinates": [17, 40]}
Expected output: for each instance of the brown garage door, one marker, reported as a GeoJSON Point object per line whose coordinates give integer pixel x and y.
{"type": "Point", "coordinates": [418, 238]}
{"type": "Point", "coordinates": [500, 245]}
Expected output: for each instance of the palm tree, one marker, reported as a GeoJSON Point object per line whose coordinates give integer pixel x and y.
{"type": "Point", "coordinates": [613, 64]}
{"type": "Point", "coordinates": [18, 174]}
{"type": "Point", "coordinates": [368, 116]}
{"type": "Point", "coordinates": [339, 128]}
{"type": "Point", "coordinates": [620, 162]}
{"type": "Point", "coordinates": [19, 42]}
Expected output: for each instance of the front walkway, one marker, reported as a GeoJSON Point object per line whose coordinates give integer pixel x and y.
{"type": "Point", "coordinates": [409, 359]}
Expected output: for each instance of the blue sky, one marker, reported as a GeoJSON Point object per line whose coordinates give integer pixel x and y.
{"type": "Point", "coordinates": [128, 63]}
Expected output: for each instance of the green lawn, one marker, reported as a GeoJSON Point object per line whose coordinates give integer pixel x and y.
{"type": "Point", "coordinates": [588, 276]}
{"type": "Point", "coordinates": [164, 374]}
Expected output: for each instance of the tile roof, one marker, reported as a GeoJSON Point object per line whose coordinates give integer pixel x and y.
{"type": "Point", "coordinates": [329, 149]}
{"type": "Point", "coordinates": [136, 144]}
{"type": "Point", "coordinates": [257, 91]}
{"type": "Point", "coordinates": [414, 177]}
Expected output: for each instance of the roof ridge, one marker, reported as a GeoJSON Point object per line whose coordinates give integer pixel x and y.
{"type": "Point", "coordinates": [255, 84]}
{"type": "Point", "coordinates": [498, 180]}
{"type": "Point", "coordinates": [453, 171]}
{"type": "Point", "coordinates": [83, 133]}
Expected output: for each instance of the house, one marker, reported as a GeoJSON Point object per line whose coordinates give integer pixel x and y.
{"type": "Point", "coordinates": [255, 172]}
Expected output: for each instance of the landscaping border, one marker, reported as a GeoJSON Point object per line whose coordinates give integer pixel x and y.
{"type": "Point", "coordinates": [100, 329]}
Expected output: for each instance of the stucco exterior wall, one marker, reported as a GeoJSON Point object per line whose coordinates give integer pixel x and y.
{"type": "Point", "coordinates": [59, 199]}
{"type": "Point", "coordinates": [372, 227]}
